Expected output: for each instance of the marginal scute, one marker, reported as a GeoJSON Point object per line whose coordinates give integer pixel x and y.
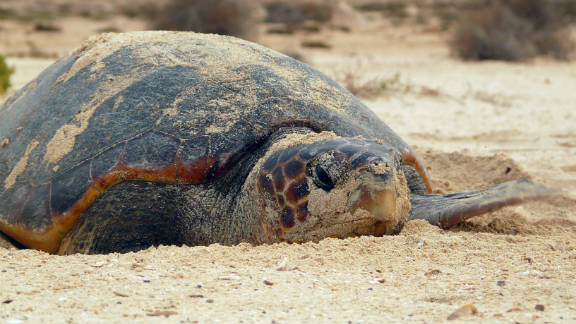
{"type": "Point", "coordinates": [195, 171]}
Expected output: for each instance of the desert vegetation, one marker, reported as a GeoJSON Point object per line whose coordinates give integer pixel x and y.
{"type": "Point", "coordinates": [5, 73]}
{"type": "Point", "coordinates": [299, 15]}
{"type": "Point", "coordinates": [513, 30]}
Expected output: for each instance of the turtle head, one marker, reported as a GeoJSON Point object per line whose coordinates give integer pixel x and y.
{"type": "Point", "coordinates": [336, 187]}
{"type": "Point", "coordinates": [309, 188]}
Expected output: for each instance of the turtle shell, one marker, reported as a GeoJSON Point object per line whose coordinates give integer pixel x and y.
{"type": "Point", "coordinates": [168, 107]}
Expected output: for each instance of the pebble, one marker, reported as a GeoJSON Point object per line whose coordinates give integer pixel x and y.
{"type": "Point", "coordinates": [268, 283]}
{"type": "Point", "coordinates": [119, 294]}
{"type": "Point", "coordinates": [465, 310]}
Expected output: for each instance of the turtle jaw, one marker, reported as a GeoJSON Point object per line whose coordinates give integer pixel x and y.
{"type": "Point", "coordinates": [385, 196]}
{"type": "Point", "coordinates": [380, 202]}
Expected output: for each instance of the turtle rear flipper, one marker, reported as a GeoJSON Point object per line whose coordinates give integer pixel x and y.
{"type": "Point", "coordinates": [451, 209]}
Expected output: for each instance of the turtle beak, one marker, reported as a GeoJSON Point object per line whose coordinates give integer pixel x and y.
{"type": "Point", "coordinates": [374, 195]}
{"type": "Point", "coordinates": [382, 196]}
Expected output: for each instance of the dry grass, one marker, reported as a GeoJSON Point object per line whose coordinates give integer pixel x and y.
{"type": "Point", "coordinates": [373, 87]}
{"type": "Point", "coordinates": [369, 88]}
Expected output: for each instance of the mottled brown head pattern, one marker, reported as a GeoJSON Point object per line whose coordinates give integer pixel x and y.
{"type": "Point", "coordinates": [283, 179]}
{"type": "Point", "coordinates": [288, 176]}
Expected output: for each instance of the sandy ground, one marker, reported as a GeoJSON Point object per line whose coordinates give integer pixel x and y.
{"type": "Point", "coordinates": [475, 124]}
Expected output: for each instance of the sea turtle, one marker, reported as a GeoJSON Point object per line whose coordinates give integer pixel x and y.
{"type": "Point", "coordinates": [151, 138]}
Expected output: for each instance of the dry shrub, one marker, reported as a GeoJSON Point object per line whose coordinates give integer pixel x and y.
{"type": "Point", "coordinates": [316, 44]}
{"type": "Point", "coordinates": [394, 8]}
{"type": "Point", "coordinates": [568, 9]}
{"type": "Point", "coordinates": [372, 87]}
{"type": "Point", "coordinates": [225, 17]}
{"type": "Point", "coordinates": [300, 15]}
{"type": "Point", "coordinates": [46, 27]}
{"type": "Point", "coordinates": [5, 73]}
{"type": "Point", "coordinates": [145, 10]}
{"type": "Point", "coordinates": [297, 12]}
{"type": "Point", "coordinates": [513, 30]}
{"type": "Point", "coordinates": [109, 29]}
{"type": "Point", "coordinates": [355, 81]}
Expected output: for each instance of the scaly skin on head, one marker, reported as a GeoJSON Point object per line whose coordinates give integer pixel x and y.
{"type": "Point", "coordinates": [319, 185]}
{"type": "Point", "coordinates": [313, 186]}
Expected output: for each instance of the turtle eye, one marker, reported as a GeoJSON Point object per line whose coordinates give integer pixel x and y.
{"type": "Point", "coordinates": [321, 179]}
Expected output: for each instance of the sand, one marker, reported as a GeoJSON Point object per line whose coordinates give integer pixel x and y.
{"type": "Point", "coordinates": [474, 124]}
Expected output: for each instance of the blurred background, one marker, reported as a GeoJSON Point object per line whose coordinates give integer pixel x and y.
{"type": "Point", "coordinates": [487, 76]}
{"type": "Point", "coordinates": [340, 37]}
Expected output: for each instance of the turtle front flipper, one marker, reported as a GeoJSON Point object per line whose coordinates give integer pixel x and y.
{"type": "Point", "coordinates": [451, 209]}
